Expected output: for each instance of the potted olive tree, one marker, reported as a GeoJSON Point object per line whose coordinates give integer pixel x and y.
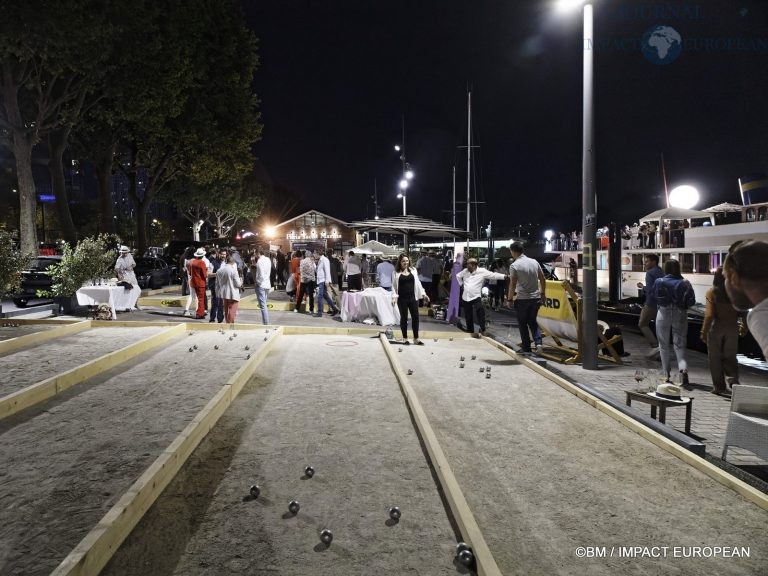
{"type": "Point", "coordinates": [12, 262]}
{"type": "Point", "coordinates": [92, 258]}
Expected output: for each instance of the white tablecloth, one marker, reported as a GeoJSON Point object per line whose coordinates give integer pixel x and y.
{"type": "Point", "coordinates": [117, 297]}
{"type": "Point", "coordinates": [370, 303]}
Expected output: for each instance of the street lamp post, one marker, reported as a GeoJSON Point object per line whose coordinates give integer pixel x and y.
{"type": "Point", "coordinates": [588, 344]}
{"type": "Point", "coordinates": [405, 179]}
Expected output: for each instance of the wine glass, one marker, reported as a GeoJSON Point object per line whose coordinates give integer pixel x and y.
{"type": "Point", "coordinates": [639, 376]}
{"type": "Point", "coordinates": [653, 378]}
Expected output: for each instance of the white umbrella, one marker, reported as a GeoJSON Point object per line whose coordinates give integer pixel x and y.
{"type": "Point", "coordinates": [724, 207]}
{"type": "Point", "coordinates": [673, 213]}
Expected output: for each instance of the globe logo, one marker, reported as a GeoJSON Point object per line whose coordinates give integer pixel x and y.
{"type": "Point", "coordinates": [661, 45]}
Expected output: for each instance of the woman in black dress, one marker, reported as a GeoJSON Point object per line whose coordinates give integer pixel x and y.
{"type": "Point", "coordinates": [407, 291]}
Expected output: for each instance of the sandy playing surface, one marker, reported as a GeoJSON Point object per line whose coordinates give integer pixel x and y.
{"type": "Point", "coordinates": [545, 473]}
{"type": "Point", "coordinates": [68, 460]}
{"type": "Point", "coordinates": [328, 401]}
{"type": "Point", "coordinates": [31, 365]}
{"type": "Point", "coordinates": [7, 331]}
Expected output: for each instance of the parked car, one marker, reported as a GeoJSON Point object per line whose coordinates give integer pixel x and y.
{"type": "Point", "coordinates": [35, 278]}
{"type": "Point", "coordinates": [152, 273]}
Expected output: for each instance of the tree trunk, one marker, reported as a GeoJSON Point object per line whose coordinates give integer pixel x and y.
{"type": "Point", "coordinates": [22, 151]}
{"type": "Point", "coordinates": [104, 175]}
{"type": "Point", "coordinates": [23, 142]}
{"type": "Point", "coordinates": [57, 143]}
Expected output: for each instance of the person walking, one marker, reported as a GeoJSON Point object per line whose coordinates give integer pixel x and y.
{"type": "Point", "coordinates": [746, 282]}
{"type": "Point", "coordinates": [720, 332]}
{"type": "Point", "coordinates": [673, 295]}
{"type": "Point", "coordinates": [217, 303]}
{"type": "Point", "coordinates": [324, 283]}
{"type": "Point", "coordinates": [527, 290]}
{"type": "Point", "coordinates": [308, 273]}
{"type": "Point", "coordinates": [198, 276]}
{"type": "Point", "coordinates": [406, 293]}
{"type": "Point", "coordinates": [228, 285]}
{"type": "Point", "coordinates": [472, 279]}
{"type": "Point", "coordinates": [261, 280]}
{"type": "Point", "coordinates": [648, 312]}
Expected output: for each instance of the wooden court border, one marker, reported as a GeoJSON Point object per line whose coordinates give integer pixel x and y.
{"type": "Point", "coordinates": [29, 340]}
{"type": "Point", "coordinates": [50, 387]}
{"type": "Point", "coordinates": [719, 475]}
{"type": "Point", "coordinates": [470, 531]}
{"type": "Point", "coordinates": [93, 552]}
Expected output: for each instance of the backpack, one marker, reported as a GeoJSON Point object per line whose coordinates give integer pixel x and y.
{"type": "Point", "coordinates": [670, 291]}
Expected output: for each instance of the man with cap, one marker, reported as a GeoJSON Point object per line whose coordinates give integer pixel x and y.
{"type": "Point", "coordinates": [198, 275]}
{"type": "Point", "coordinates": [125, 265]}
{"type": "Point", "coordinates": [472, 279]}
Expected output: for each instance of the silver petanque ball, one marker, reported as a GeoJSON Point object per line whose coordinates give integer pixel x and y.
{"type": "Point", "coordinates": [309, 471]}
{"type": "Point", "coordinates": [461, 364]}
{"type": "Point", "coordinates": [435, 339]}
{"type": "Point", "coordinates": [247, 347]}
{"type": "Point", "coordinates": [191, 349]}
{"type": "Point", "coordinates": [474, 357]}
{"type": "Point", "coordinates": [450, 339]}
{"type": "Point", "coordinates": [235, 334]}
{"type": "Point", "coordinates": [395, 513]}
{"type": "Point", "coordinates": [461, 358]}
{"type": "Point", "coordinates": [410, 371]}
{"type": "Point", "coordinates": [255, 491]}
{"type": "Point", "coordinates": [482, 369]}
{"type": "Point", "coordinates": [248, 357]}
{"type": "Point", "coordinates": [294, 506]}
{"type": "Point", "coordinates": [195, 346]}
{"type": "Point", "coordinates": [216, 347]}
{"type": "Point", "coordinates": [461, 546]}
{"type": "Point", "coordinates": [466, 557]}
{"type": "Point", "coordinates": [326, 537]}
{"type": "Point", "coordinates": [230, 338]}
{"type": "Point", "coordinates": [191, 333]}
{"type": "Point", "coordinates": [487, 374]}
{"type": "Point", "coordinates": [399, 349]}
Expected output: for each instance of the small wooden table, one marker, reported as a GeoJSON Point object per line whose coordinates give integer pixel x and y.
{"type": "Point", "coordinates": [662, 404]}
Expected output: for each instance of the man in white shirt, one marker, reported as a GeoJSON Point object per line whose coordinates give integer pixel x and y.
{"type": "Point", "coordinates": [385, 270]}
{"type": "Point", "coordinates": [525, 276]}
{"type": "Point", "coordinates": [261, 281]}
{"type": "Point", "coordinates": [324, 281]}
{"type": "Point", "coordinates": [353, 270]}
{"type": "Point", "coordinates": [746, 281]}
{"type": "Point", "coordinates": [472, 279]}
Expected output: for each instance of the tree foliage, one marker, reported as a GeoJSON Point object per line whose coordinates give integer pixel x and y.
{"type": "Point", "coordinates": [92, 258]}
{"type": "Point", "coordinates": [12, 262]}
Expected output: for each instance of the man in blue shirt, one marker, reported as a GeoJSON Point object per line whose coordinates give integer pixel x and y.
{"type": "Point", "coordinates": [652, 273]}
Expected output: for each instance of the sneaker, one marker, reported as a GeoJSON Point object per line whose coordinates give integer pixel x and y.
{"type": "Point", "coordinates": [318, 315]}
{"type": "Point", "coordinates": [684, 378]}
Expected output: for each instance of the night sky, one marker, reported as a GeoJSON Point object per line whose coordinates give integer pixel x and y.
{"type": "Point", "coordinates": [337, 76]}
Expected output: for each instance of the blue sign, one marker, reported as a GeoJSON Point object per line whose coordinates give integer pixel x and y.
{"type": "Point", "coordinates": [46, 198]}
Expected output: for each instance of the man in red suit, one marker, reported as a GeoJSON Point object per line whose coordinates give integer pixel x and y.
{"type": "Point", "coordinates": [198, 274]}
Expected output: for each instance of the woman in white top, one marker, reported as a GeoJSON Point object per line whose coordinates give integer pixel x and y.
{"type": "Point", "coordinates": [406, 292]}
{"type": "Point", "coordinates": [124, 267]}
{"type": "Point", "coordinates": [228, 284]}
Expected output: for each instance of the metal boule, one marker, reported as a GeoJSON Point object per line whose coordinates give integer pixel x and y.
{"type": "Point", "coordinates": [410, 371]}
{"type": "Point", "coordinates": [474, 357]}
{"type": "Point", "coordinates": [191, 349]}
{"type": "Point", "coordinates": [399, 349]}
{"type": "Point", "coordinates": [309, 471]}
{"type": "Point", "coordinates": [216, 347]}
{"type": "Point", "coordinates": [191, 333]}
{"type": "Point", "coordinates": [195, 346]}
{"type": "Point", "coordinates": [466, 557]}
{"type": "Point", "coordinates": [247, 347]}
{"type": "Point", "coordinates": [265, 338]}
{"type": "Point", "coordinates": [450, 339]}
{"type": "Point", "coordinates": [294, 506]}
{"type": "Point", "coordinates": [461, 546]}
{"type": "Point", "coordinates": [395, 513]}
{"type": "Point", "coordinates": [461, 358]}
{"type": "Point", "coordinates": [461, 364]}
{"type": "Point", "coordinates": [487, 374]}
{"type": "Point", "coordinates": [230, 338]}
{"type": "Point", "coordinates": [255, 491]}
{"type": "Point", "coordinates": [326, 537]}
{"type": "Point", "coordinates": [248, 356]}
{"type": "Point", "coordinates": [482, 369]}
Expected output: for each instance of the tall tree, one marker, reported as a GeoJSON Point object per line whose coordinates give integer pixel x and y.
{"type": "Point", "coordinates": [212, 136]}
{"type": "Point", "coordinates": [46, 71]}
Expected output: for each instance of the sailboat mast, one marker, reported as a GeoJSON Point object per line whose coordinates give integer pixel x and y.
{"type": "Point", "coordinates": [664, 177]}
{"type": "Point", "coordinates": [469, 156]}
{"type": "Point", "coordinates": [454, 196]}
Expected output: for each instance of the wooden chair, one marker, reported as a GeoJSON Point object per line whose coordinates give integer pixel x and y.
{"type": "Point", "coordinates": [561, 319]}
